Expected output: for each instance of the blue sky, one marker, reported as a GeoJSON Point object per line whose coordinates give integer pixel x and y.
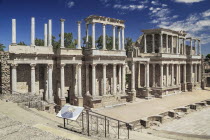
{"type": "Point", "coordinates": [192, 16]}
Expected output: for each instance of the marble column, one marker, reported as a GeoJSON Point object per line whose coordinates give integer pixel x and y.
{"type": "Point", "coordinates": [79, 35]}
{"type": "Point", "coordinates": [167, 44]}
{"type": "Point", "coordinates": [172, 74]}
{"type": "Point", "coordinates": [14, 32]}
{"type": "Point", "coordinates": [45, 35]}
{"type": "Point", "coordinates": [184, 73]}
{"type": "Point", "coordinates": [114, 80]}
{"type": "Point", "coordinates": [50, 33]}
{"type": "Point", "coordinates": [75, 79]}
{"type": "Point", "coordinates": [120, 77]}
{"type": "Point", "coordinates": [104, 36]}
{"type": "Point", "coordinates": [119, 38]}
{"type": "Point", "coordinates": [199, 73]}
{"type": "Point", "coordinates": [153, 71]}
{"type": "Point", "coordinates": [93, 36]}
{"type": "Point", "coordinates": [123, 38]}
{"type": "Point", "coordinates": [147, 75]}
{"type": "Point", "coordinates": [191, 71]}
{"type": "Point", "coordinates": [133, 76]}
{"type": "Point", "coordinates": [139, 75]}
{"type": "Point", "coordinates": [50, 88]}
{"type": "Point", "coordinates": [167, 75]}
{"type": "Point", "coordinates": [161, 75]}
{"type": "Point", "coordinates": [196, 73]}
{"type": "Point", "coordinates": [153, 43]}
{"type": "Point", "coordinates": [62, 32]}
{"type": "Point", "coordinates": [123, 78]}
{"type": "Point", "coordinates": [87, 78]}
{"type": "Point", "coordinates": [33, 79]}
{"type": "Point", "coordinates": [184, 45]}
{"type": "Point", "coordinates": [79, 80]}
{"type": "Point", "coordinates": [62, 80]}
{"type": "Point", "coordinates": [191, 46]}
{"type": "Point", "coordinates": [172, 45]}
{"type": "Point", "coordinates": [177, 74]}
{"type": "Point", "coordinates": [104, 79]}
{"type": "Point", "coordinates": [32, 31]}
{"type": "Point", "coordinates": [14, 77]}
{"type": "Point", "coordinates": [199, 47]}
{"type": "Point", "coordinates": [93, 80]}
{"type": "Point", "coordinates": [87, 36]}
{"type": "Point", "coordinates": [161, 43]}
{"type": "Point", "coordinates": [177, 45]}
{"type": "Point", "coordinates": [145, 43]}
{"type": "Point", "coordinates": [114, 47]}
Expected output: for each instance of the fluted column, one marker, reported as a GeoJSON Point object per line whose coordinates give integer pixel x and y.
{"type": "Point", "coordinates": [199, 47]}
{"type": "Point", "coordinates": [14, 32]}
{"type": "Point", "coordinates": [50, 88]}
{"type": "Point", "coordinates": [177, 45]}
{"type": "Point", "coordinates": [114, 47]}
{"type": "Point", "coordinates": [191, 46]}
{"type": "Point", "coordinates": [167, 75]}
{"type": "Point", "coordinates": [79, 35]}
{"type": "Point", "coordinates": [172, 74]}
{"type": "Point", "coordinates": [50, 33]}
{"type": "Point", "coordinates": [114, 80]}
{"type": "Point", "coordinates": [172, 44]}
{"type": "Point", "coordinates": [32, 31]}
{"type": "Point", "coordinates": [62, 32]}
{"type": "Point", "coordinates": [79, 80]}
{"type": "Point", "coordinates": [133, 76]}
{"type": "Point", "coordinates": [123, 78]}
{"type": "Point", "coordinates": [62, 80]}
{"type": "Point", "coordinates": [147, 75]}
{"type": "Point", "coordinates": [75, 79]}
{"type": "Point", "coordinates": [93, 36]}
{"type": "Point", "coordinates": [196, 73]}
{"type": "Point", "coordinates": [14, 77]}
{"type": "Point", "coordinates": [191, 72]}
{"type": "Point", "coordinates": [145, 43]}
{"type": "Point", "coordinates": [45, 35]}
{"type": "Point", "coordinates": [161, 75]}
{"type": "Point", "coordinates": [123, 38]}
{"type": "Point", "coordinates": [33, 77]}
{"type": "Point", "coordinates": [199, 73]}
{"type": "Point", "coordinates": [93, 80]}
{"type": "Point", "coordinates": [179, 78]}
{"type": "Point", "coordinates": [153, 71]}
{"type": "Point", "coordinates": [120, 77]}
{"type": "Point", "coordinates": [153, 43]}
{"type": "Point", "coordinates": [167, 44]}
{"type": "Point", "coordinates": [184, 45]}
{"type": "Point", "coordinates": [104, 36]}
{"type": "Point", "coordinates": [119, 38]}
{"type": "Point", "coordinates": [177, 74]}
{"type": "Point", "coordinates": [87, 78]}
{"type": "Point", "coordinates": [104, 79]}
{"type": "Point", "coordinates": [139, 75]}
{"type": "Point", "coordinates": [161, 43]}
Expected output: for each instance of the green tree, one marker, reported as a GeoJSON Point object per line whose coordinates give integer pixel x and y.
{"type": "Point", "coordinates": [21, 43]}
{"type": "Point", "coordinates": [128, 44]}
{"type": "Point", "coordinates": [55, 44]}
{"type": "Point", "coordinates": [208, 56]}
{"type": "Point", "coordinates": [89, 41]}
{"type": "Point", "coordinates": [109, 42]}
{"type": "Point", "coordinates": [69, 41]}
{"type": "Point", "coordinates": [39, 42]}
{"type": "Point", "coordinates": [2, 47]}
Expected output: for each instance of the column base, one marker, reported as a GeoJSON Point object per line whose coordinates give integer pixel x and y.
{"type": "Point", "coordinates": [131, 96]}
{"type": "Point", "coordinates": [80, 101]}
{"type": "Point", "coordinates": [184, 87]}
{"type": "Point", "coordinates": [190, 86]}
{"type": "Point", "coordinates": [146, 93]}
{"type": "Point", "coordinates": [14, 44]}
{"type": "Point", "coordinates": [203, 85]}
{"type": "Point", "coordinates": [62, 101]}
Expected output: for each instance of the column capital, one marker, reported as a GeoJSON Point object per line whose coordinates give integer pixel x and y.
{"type": "Point", "coordinates": [119, 28]}
{"type": "Point", "coordinates": [62, 65]}
{"type": "Point", "coordinates": [93, 65]}
{"type": "Point", "coordinates": [62, 20]}
{"type": "Point", "coordinates": [105, 65]}
{"type": "Point", "coordinates": [50, 66]}
{"type": "Point", "coordinates": [79, 22]}
{"type": "Point", "coordinates": [14, 66]}
{"type": "Point", "coordinates": [33, 66]}
{"type": "Point", "coordinates": [104, 24]}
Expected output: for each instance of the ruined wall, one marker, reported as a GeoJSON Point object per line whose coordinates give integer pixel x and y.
{"type": "Point", "coordinates": [4, 73]}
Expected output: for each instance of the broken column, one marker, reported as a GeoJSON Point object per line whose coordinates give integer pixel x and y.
{"type": "Point", "coordinates": [14, 32]}
{"type": "Point", "coordinates": [79, 35]}
{"type": "Point", "coordinates": [50, 33]}
{"type": "Point", "coordinates": [62, 32]}
{"type": "Point", "coordinates": [32, 31]}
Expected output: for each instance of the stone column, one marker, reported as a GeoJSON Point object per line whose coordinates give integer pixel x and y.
{"type": "Point", "coordinates": [45, 35]}
{"type": "Point", "coordinates": [167, 75]}
{"type": "Point", "coordinates": [79, 35]}
{"type": "Point", "coordinates": [145, 43]}
{"type": "Point", "coordinates": [167, 43]}
{"type": "Point", "coordinates": [184, 73]}
{"type": "Point", "coordinates": [62, 32]}
{"type": "Point", "coordinates": [120, 77]}
{"type": "Point", "coordinates": [153, 43]}
{"type": "Point", "coordinates": [199, 73]}
{"type": "Point", "coordinates": [172, 45]}
{"type": "Point", "coordinates": [14, 32]}
{"type": "Point", "coordinates": [104, 79]}
{"type": "Point", "coordinates": [190, 46]}
{"type": "Point", "coordinates": [87, 78]}
{"type": "Point", "coordinates": [14, 77]}
{"type": "Point", "coordinates": [93, 80]}
{"type": "Point", "coordinates": [139, 75]}
{"type": "Point", "coordinates": [93, 36]}
{"type": "Point", "coordinates": [153, 71]}
{"type": "Point", "coordinates": [196, 73]}
{"type": "Point", "coordinates": [161, 43]}
{"type": "Point", "coordinates": [79, 80]}
{"type": "Point", "coordinates": [50, 33]}
{"type": "Point", "coordinates": [172, 74]}
{"type": "Point", "coordinates": [147, 75]}
{"type": "Point", "coordinates": [75, 79]}
{"type": "Point", "coordinates": [123, 38]}
{"type": "Point", "coordinates": [32, 31]}
{"type": "Point", "coordinates": [114, 47]}
{"type": "Point", "coordinates": [119, 38]}
{"type": "Point", "coordinates": [62, 80]}
{"type": "Point", "coordinates": [123, 78]}
{"type": "Point", "coordinates": [177, 74]}
{"type": "Point", "coordinates": [199, 47]}
{"type": "Point", "coordinates": [87, 36]}
{"type": "Point", "coordinates": [50, 88]}
{"type": "Point", "coordinates": [33, 79]}
{"type": "Point", "coordinates": [133, 76]}
{"type": "Point", "coordinates": [114, 80]}
{"type": "Point", "coordinates": [104, 36]}
{"type": "Point", "coordinates": [191, 71]}
{"type": "Point", "coordinates": [161, 75]}
{"type": "Point", "coordinates": [177, 45]}
{"type": "Point", "coordinates": [184, 45]}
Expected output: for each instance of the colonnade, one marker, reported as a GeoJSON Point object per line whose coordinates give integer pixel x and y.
{"type": "Point", "coordinates": [120, 32]}
{"type": "Point", "coordinates": [197, 47]}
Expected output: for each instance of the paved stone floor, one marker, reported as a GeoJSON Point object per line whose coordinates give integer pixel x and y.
{"type": "Point", "coordinates": [140, 109]}
{"type": "Point", "coordinates": [197, 123]}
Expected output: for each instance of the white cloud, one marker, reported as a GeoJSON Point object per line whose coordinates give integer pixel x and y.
{"type": "Point", "coordinates": [70, 4]}
{"type": "Point", "coordinates": [206, 13]}
{"type": "Point", "coordinates": [129, 7]}
{"type": "Point", "coordinates": [188, 1]}
{"type": "Point", "coordinates": [155, 2]}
